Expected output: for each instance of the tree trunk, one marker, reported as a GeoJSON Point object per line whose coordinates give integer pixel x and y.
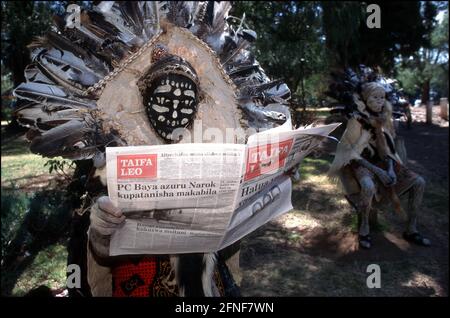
{"type": "Point", "coordinates": [444, 108]}
{"type": "Point", "coordinates": [429, 112]}
{"type": "Point", "coordinates": [426, 92]}
{"type": "Point", "coordinates": [426, 100]}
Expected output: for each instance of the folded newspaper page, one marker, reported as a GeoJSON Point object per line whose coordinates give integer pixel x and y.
{"type": "Point", "coordinates": [198, 198]}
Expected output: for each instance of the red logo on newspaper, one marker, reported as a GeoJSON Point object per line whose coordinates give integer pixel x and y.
{"type": "Point", "coordinates": [136, 166]}
{"type": "Point", "coordinates": [266, 158]}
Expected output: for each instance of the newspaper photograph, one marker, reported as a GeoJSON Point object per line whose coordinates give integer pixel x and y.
{"type": "Point", "coordinates": [271, 154]}
{"type": "Point", "coordinates": [189, 198]}
{"type": "Point", "coordinates": [273, 201]}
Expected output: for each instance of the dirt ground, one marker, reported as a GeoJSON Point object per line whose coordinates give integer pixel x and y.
{"type": "Point", "coordinates": [313, 250]}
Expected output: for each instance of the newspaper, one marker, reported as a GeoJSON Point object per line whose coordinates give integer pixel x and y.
{"type": "Point", "coordinates": [198, 198]}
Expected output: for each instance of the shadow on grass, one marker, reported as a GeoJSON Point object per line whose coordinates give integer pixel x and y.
{"type": "Point", "coordinates": [328, 264]}
{"type": "Point", "coordinates": [15, 145]}
{"type": "Point", "coordinates": [45, 223]}
{"type": "Point", "coordinates": [315, 165]}
{"type": "Point", "coordinates": [312, 198]}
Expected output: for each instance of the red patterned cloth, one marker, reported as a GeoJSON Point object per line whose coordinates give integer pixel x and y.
{"type": "Point", "coordinates": [134, 279]}
{"type": "Point", "coordinates": [149, 276]}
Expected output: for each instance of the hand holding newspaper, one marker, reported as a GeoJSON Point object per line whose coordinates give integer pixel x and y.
{"type": "Point", "coordinates": [191, 198]}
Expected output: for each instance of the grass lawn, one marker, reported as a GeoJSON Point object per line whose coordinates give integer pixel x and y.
{"type": "Point", "coordinates": [48, 268]}
{"type": "Point", "coordinates": [19, 165]}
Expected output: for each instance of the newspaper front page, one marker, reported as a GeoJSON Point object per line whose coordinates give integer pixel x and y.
{"type": "Point", "coordinates": [189, 198]}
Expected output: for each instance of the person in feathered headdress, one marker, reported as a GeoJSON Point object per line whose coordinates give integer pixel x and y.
{"type": "Point", "coordinates": [368, 166]}
{"type": "Point", "coordinates": [132, 73]}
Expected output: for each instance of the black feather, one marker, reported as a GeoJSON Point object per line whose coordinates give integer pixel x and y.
{"type": "Point", "coordinates": [190, 269]}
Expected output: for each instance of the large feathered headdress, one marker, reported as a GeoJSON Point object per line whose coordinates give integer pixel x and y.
{"type": "Point", "coordinates": [131, 73]}
{"type": "Point", "coordinates": [346, 90]}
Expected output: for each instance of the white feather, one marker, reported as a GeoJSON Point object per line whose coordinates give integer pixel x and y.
{"type": "Point", "coordinates": [209, 261]}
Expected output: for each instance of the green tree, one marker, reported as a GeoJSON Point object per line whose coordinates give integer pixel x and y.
{"type": "Point", "coordinates": [428, 66]}
{"type": "Point", "coordinates": [342, 22]}
{"type": "Point", "coordinates": [405, 27]}
{"type": "Point", "coordinates": [290, 39]}
{"type": "Point", "coordinates": [21, 22]}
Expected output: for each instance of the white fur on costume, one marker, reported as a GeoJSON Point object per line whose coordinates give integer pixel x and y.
{"type": "Point", "coordinates": [355, 139]}
{"type": "Point", "coordinates": [207, 276]}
